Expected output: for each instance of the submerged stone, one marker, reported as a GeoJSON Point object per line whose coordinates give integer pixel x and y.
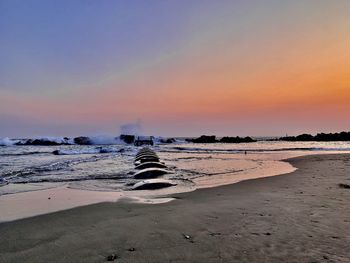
{"type": "Point", "coordinates": [150, 173]}
{"type": "Point", "coordinates": [153, 184]}
{"type": "Point", "coordinates": [150, 165]}
{"type": "Point", "coordinates": [138, 157]}
{"type": "Point", "coordinates": [146, 159]}
{"type": "Point", "coordinates": [82, 140]}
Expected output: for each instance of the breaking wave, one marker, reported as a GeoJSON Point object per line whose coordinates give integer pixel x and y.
{"type": "Point", "coordinates": [67, 170]}
{"type": "Point", "coordinates": [213, 150]}
{"type": "Point", "coordinates": [94, 140]}
{"type": "Point", "coordinates": [88, 151]}
{"type": "Point", "coordinates": [23, 153]}
{"type": "Point", "coordinates": [7, 141]}
{"type": "Point", "coordinates": [110, 164]}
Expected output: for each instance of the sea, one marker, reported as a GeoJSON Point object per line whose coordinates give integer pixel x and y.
{"type": "Point", "coordinates": [37, 180]}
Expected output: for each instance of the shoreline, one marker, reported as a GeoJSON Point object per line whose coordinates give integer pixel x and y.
{"type": "Point", "coordinates": [302, 216]}
{"type": "Point", "coordinates": [64, 197]}
{"type": "Point", "coordinates": [41, 201]}
{"type": "Point", "coordinates": [49, 199]}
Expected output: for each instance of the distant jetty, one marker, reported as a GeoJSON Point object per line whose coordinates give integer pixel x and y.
{"type": "Point", "coordinates": [151, 140]}
{"type": "Point", "coordinates": [320, 137]}
{"type": "Point", "coordinates": [213, 139]}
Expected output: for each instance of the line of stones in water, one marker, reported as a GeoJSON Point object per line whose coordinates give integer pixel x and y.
{"type": "Point", "coordinates": [149, 169]}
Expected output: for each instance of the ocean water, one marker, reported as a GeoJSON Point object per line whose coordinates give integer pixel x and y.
{"type": "Point", "coordinates": [109, 167]}
{"type": "Point", "coordinates": [34, 181]}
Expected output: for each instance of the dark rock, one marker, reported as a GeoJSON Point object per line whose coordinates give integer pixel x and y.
{"type": "Point", "coordinates": [168, 140]}
{"type": "Point", "coordinates": [346, 186]}
{"type": "Point", "coordinates": [129, 139]}
{"type": "Point", "coordinates": [40, 142]}
{"type": "Point", "coordinates": [145, 154]}
{"type": "Point", "coordinates": [152, 184]}
{"type": "Point", "coordinates": [150, 173]}
{"type": "Point", "coordinates": [56, 152]}
{"type": "Point", "coordinates": [150, 165]}
{"type": "Point", "coordinates": [44, 142]}
{"type": "Point", "coordinates": [82, 140]}
{"type": "Point", "coordinates": [145, 150]}
{"type": "Point", "coordinates": [112, 257]}
{"type": "Point", "coordinates": [236, 139]}
{"type": "Point", "coordinates": [204, 139]}
{"type": "Point", "coordinates": [147, 159]}
{"type": "Point", "coordinates": [322, 137]}
{"type": "Point", "coordinates": [103, 150]}
{"type": "Point", "coordinates": [212, 139]}
{"type": "Point", "coordinates": [304, 137]}
{"type": "Point", "coordinates": [144, 140]}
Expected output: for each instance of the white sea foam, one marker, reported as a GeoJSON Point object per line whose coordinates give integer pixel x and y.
{"type": "Point", "coordinates": [161, 140]}
{"type": "Point", "coordinates": [105, 140]}
{"type": "Point", "coordinates": [87, 151]}
{"type": "Point", "coordinates": [7, 141]}
{"type": "Point", "coordinates": [247, 149]}
{"type": "Point", "coordinates": [58, 140]}
{"type": "Point", "coordinates": [74, 152]}
{"type": "Point", "coordinates": [95, 140]}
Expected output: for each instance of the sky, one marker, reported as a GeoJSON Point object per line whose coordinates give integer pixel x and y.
{"type": "Point", "coordinates": [174, 68]}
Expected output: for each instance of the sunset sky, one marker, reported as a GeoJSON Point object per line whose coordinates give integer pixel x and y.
{"type": "Point", "coordinates": [179, 68]}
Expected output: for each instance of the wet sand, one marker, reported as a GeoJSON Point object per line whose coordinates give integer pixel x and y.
{"type": "Point", "coordinates": [303, 216]}
{"type": "Point", "coordinates": [28, 204]}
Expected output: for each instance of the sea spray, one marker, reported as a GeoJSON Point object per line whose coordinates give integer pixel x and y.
{"type": "Point", "coordinates": [131, 128]}
{"type": "Point", "coordinates": [7, 141]}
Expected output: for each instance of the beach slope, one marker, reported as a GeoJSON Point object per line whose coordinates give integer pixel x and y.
{"type": "Point", "coordinates": [299, 217]}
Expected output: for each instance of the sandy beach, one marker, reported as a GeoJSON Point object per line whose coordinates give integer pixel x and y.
{"type": "Point", "coordinates": [303, 216]}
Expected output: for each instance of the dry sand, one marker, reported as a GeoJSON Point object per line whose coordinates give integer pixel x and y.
{"type": "Point", "coordinates": [299, 217]}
